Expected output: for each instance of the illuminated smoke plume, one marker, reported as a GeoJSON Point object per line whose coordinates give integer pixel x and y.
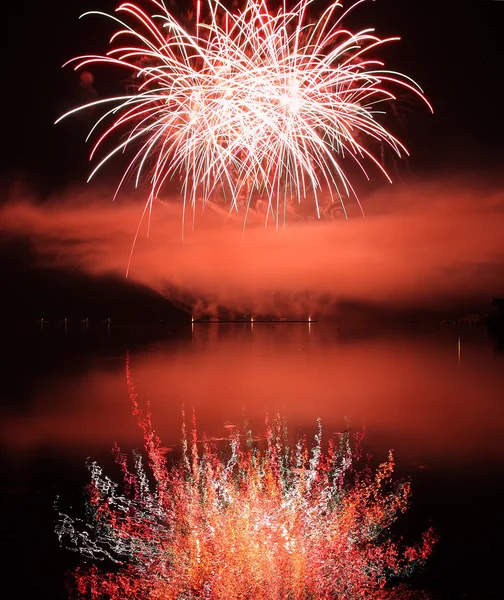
{"type": "Point", "coordinates": [421, 245]}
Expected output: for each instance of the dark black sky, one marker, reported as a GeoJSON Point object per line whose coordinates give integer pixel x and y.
{"type": "Point", "coordinates": [453, 48]}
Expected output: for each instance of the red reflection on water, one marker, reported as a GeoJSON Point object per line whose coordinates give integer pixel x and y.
{"type": "Point", "coordinates": [414, 393]}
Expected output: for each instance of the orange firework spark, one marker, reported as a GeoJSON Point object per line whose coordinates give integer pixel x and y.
{"type": "Point", "coordinates": [261, 520]}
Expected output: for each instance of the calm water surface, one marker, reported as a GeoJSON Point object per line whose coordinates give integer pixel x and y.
{"type": "Point", "coordinates": [434, 395]}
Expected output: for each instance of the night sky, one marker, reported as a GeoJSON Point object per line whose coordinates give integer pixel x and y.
{"type": "Point", "coordinates": [452, 48]}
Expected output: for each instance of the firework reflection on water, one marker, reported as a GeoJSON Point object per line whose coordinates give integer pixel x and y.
{"type": "Point", "coordinates": [264, 518]}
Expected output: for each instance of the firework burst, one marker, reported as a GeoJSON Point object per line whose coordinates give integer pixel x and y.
{"type": "Point", "coordinates": [263, 519]}
{"type": "Point", "coordinates": [246, 103]}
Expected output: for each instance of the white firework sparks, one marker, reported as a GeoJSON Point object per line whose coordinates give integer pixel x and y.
{"type": "Point", "coordinates": [248, 104]}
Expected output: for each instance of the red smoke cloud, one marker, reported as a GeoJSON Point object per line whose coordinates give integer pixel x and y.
{"type": "Point", "coordinates": [419, 244]}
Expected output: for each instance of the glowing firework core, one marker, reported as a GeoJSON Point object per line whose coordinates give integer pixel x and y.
{"type": "Point", "coordinates": [249, 104]}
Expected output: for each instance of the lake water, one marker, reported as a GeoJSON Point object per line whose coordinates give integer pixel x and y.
{"type": "Point", "coordinates": [433, 394]}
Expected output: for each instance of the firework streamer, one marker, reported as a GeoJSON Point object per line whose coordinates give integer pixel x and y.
{"type": "Point", "coordinates": [259, 107]}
